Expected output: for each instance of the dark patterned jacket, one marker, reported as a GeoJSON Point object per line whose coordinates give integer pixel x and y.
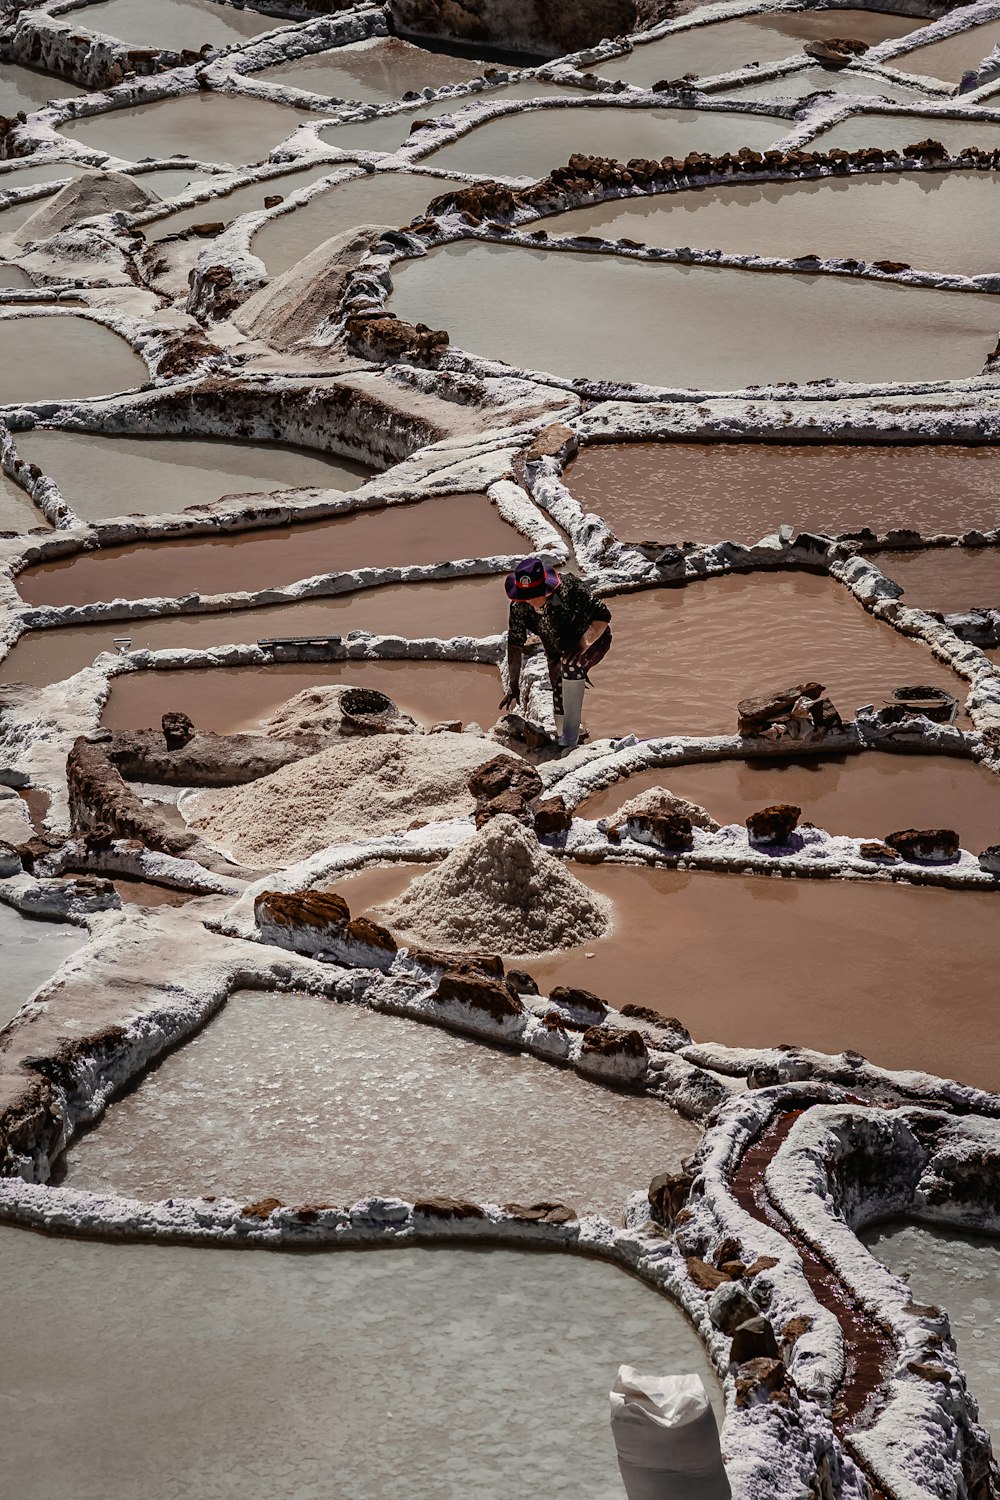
{"type": "Point", "coordinates": [562, 622]}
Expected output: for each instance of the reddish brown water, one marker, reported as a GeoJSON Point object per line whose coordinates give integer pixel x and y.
{"type": "Point", "coordinates": [231, 699]}
{"type": "Point", "coordinates": [449, 526]}
{"type": "Point", "coordinates": [708, 492]}
{"type": "Point", "coordinates": [56, 356]}
{"type": "Point", "coordinates": [207, 126]}
{"type": "Point", "coordinates": [474, 607]}
{"type": "Point", "coordinates": [683, 658]}
{"type": "Point", "coordinates": [949, 579]}
{"type": "Point", "coordinates": [950, 59]}
{"type": "Point", "coordinates": [902, 973]}
{"type": "Point", "coordinates": [145, 893]}
{"type": "Point", "coordinates": [900, 131]}
{"type": "Point", "coordinates": [866, 795]}
{"type": "Point", "coordinates": [373, 72]}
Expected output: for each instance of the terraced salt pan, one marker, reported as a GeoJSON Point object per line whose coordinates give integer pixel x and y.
{"type": "Point", "coordinates": [896, 132]}
{"type": "Point", "coordinates": [208, 126]}
{"type": "Point", "coordinates": [45, 357]}
{"type": "Point", "coordinates": [508, 302]}
{"type": "Point", "coordinates": [707, 50]}
{"type": "Point", "coordinates": [181, 24]}
{"type": "Point", "coordinates": [530, 145]}
{"type": "Point", "coordinates": [724, 953]}
{"type": "Point", "coordinates": [32, 951]}
{"type": "Point", "coordinates": [243, 200]}
{"type": "Point", "coordinates": [949, 579]}
{"type": "Point", "coordinates": [473, 606]}
{"type": "Point", "coordinates": [518, 1349]}
{"type": "Point", "coordinates": [683, 658]}
{"type": "Point", "coordinates": [374, 72]}
{"type": "Point", "coordinates": [16, 510]}
{"type": "Point", "coordinates": [307, 1100]}
{"type": "Point", "coordinates": [934, 221]}
{"type": "Point", "coordinates": [232, 699]}
{"type": "Point", "coordinates": [397, 536]}
{"type": "Point", "coordinates": [707, 492]}
{"type": "Point", "coordinates": [388, 132]}
{"type": "Point", "coordinates": [952, 57]}
{"type": "Point", "coordinates": [864, 796]}
{"type": "Point", "coordinates": [102, 476]}
{"type": "Point", "coordinates": [23, 88]}
{"type": "Point", "coordinates": [821, 81]}
{"type": "Point", "coordinates": [961, 1273]}
{"type": "Point", "coordinates": [393, 198]}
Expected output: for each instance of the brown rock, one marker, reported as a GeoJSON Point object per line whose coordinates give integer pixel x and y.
{"type": "Point", "coordinates": [551, 442]}
{"type": "Point", "coordinates": [505, 773]}
{"type": "Point", "coordinates": [875, 849]}
{"type": "Point", "coordinates": [177, 730]}
{"type": "Point", "coordinates": [667, 1195]}
{"type": "Point", "coordinates": [703, 1275]}
{"type": "Point", "coordinates": [925, 845]}
{"type": "Point", "coordinates": [762, 1263]}
{"type": "Point", "coordinates": [365, 931]}
{"type": "Point", "coordinates": [302, 909]}
{"type": "Point", "coordinates": [796, 1327]}
{"type": "Point", "coordinates": [758, 1380]}
{"type": "Point", "coordinates": [773, 825]}
{"type": "Point", "coordinates": [928, 1371]}
{"type": "Point", "coordinates": [540, 1213]}
{"type": "Point", "coordinates": [262, 1209]}
{"type": "Point", "coordinates": [487, 995]}
{"type": "Point", "coordinates": [552, 817]}
{"type": "Point", "coordinates": [755, 714]}
{"type": "Point", "coordinates": [753, 1339]}
{"type": "Point", "coordinates": [448, 1208]}
{"type": "Point", "coordinates": [573, 999]}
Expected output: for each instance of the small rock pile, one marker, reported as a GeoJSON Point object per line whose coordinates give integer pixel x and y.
{"type": "Point", "coordinates": [799, 713]}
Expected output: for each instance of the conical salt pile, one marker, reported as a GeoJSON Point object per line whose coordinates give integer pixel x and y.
{"type": "Point", "coordinates": [502, 892]}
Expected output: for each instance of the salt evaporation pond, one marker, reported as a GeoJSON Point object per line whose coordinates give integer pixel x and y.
{"type": "Point", "coordinates": [228, 1373]}
{"type": "Point", "coordinates": [13, 276]}
{"type": "Point", "coordinates": [950, 58]}
{"type": "Point", "coordinates": [751, 961]}
{"type": "Point", "coordinates": [521, 305]}
{"type": "Point", "coordinates": [23, 88]}
{"type": "Point", "coordinates": [961, 1273]}
{"type": "Point", "coordinates": [393, 198]}
{"type": "Point", "coordinates": [242, 200]}
{"type": "Point", "coordinates": [17, 513]}
{"type": "Point", "coordinates": [206, 125]}
{"type": "Point", "coordinates": [389, 132]}
{"type": "Point", "coordinates": [949, 579]}
{"type": "Point", "coordinates": [306, 1100]}
{"type": "Point", "coordinates": [719, 48]}
{"type": "Point", "coordinates": [471, 606]}
{"type": "Point", "coordinates": [58, 355]}
{"type": "Point", "coordinates": [32, 952]}
{"type": "Point", "coordinates": [377, 71]}
{"type": "Point", "coordinates": [934, 221]}
{"type": "Point", "coordinates": [181, 24]}
{"type": "Point", "coordinates": [465, 526]}
{"type": "Point", "coordinates": [818, 80]}
{"type": "Point", "coordinates": [101, 476]}
{"type": "Point", "coordinates": [228, 700]}
{"type": "Point", "coordinates": [531, 144]}
{"type": "Point", "coordinates": [897, 131]}
{"type": "Point", "coordinates": [710, 492]}
{"type": "Point", "coordinates": [864, 796]}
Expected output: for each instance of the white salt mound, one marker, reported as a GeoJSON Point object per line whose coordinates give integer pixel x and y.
{"type": "Point", "coordinates": [358, 788]}
{"type": "Point", "coordinates": [659, 799]}
{"type": "Point", "coordinates": [317, 710]}
{"type": "Point", "coordinates": [501, 891]}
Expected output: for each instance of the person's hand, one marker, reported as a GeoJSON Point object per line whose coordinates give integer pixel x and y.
{"type": "Point", "coordinates": [508, 700]}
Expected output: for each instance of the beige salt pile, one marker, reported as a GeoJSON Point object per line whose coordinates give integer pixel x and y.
{"type": "Point", "coordinates": [502, 892]}
{"type": "Point", "coordinates": [358, 788]}
{"type": "Point", "coordinates": [658, 799]}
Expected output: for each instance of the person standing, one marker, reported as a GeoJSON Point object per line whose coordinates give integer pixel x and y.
{"type": "Point", "coordinates": [574, 629]}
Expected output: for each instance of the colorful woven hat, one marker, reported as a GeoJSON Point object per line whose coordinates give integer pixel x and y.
{"type": "Point", "coordinates": [531, 579]}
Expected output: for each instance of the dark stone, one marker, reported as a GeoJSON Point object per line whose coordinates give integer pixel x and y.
{"type": "Point", "coordinates": [505, 773]}
{"type": "Point", "coordinates": [540, 1213]}
{"type": "Point", "coordinates": [773, 825]}
{"type": "Point", "coordinates": [580, 1000]}
{"type": "Point", "coordinates": [668, 1193]}
{"type": "Point", "coordinates": [522, 982]}
{"type": "Point", "coordinates": [925, 845]}
{"type": "Point", "coordinates": [755, 714]}
{"type": "Point", "coordinates": [552, 817]}
{"type": "Point", "coordinates": [703, 1275]}
{"type": "Point", "coordinates": [758, 1380]}
{"type": "Point", "coordinates": [730, 1307]}
{"type": "Point", "coordinates": [479, 993]}
{"type": "Point", "coordinates": [177, 730]}
{"type": "Point", "coordinates": [753, 1339]}
{"type": "Point", "coordinates": [262, 1209]}
{"type": "Point", "coordinates": [448, 1208]}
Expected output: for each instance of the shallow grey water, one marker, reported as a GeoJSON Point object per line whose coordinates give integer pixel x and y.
{"type": "Point", "coordinates": [899, 131]}
{"type": "Point", "coordinates": [242, 200]}
{"type": "Point", "coordinates": [388, 132]}
{"type": "Point", "coordinates": [13, 276]}
{"type": "Point", "coordinates": [950, 58]}
{"type": "Point", "coordinates": [701, 327]}
{"type": "Point", "coordinates": [32, 952]}
{"type": "Point", "coordinates": [934, 221]}
{"type": "Point", "coordinates": [530, 145]}
{"type": "Point", "coordinates": [392, 198]}
{"type": "Point", "coordinates": [181, 24]}
{"type": "Point", "coordinates": [818, 80]}
{"type": "Point", "coordinates": [17, 513]}
{"type": "Point", "coordinates": [208, 126]}
{"type": "Point", "coordinates": [372, 72]}
{"type": "Point", "coordinates": [23, 88]}
{"type": "Point", "coordinates": [59, 355]}
{"type": "Point", "coordinates": [305, 1100]}
{"type": "Point", "coordinates": [961, 1273]}
{"type": "Point", "coordinates": [411, 1372]}
{"type": "Point", "coordinates": [101, 476]}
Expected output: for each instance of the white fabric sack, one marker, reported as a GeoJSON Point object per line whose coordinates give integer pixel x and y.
{"type": "Point", "coordinates": [667, 1438]}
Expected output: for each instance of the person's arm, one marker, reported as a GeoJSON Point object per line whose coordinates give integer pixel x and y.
{"type": "Point", "coordinates": [598, 618]}
{"type": "Point", "coordinates": [516, 638]}
{"type": "Point", "coordinates": [593, 633]}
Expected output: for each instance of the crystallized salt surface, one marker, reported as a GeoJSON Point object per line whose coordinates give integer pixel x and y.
{"type": "Point", "coordinates": [500, 892]}
{"type": "Point", "coordinates": [961, 1273]}
{"type": "Point", "coordinates": [32, 951]}
{"type": "Point", "coordinates": [227, 1374]}
{"type": "Point", "coordinates": [361, 788]}
{"type": "Point", "coordinates": [51, 356]}
{"type": "Point", "coordinates": [306, 1100]}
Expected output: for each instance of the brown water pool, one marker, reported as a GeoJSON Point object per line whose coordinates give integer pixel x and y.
{"type": "Point", "coordinates": [242, 200]}
{"type": "Point", "coordinates": [819, 80]}
{"type": "Point", "coordinates": [102, 476]}
{"type": "Point", "coordinates": [145, 893]}
{"type": "Point", "coordinates": [901, 973]}
{"type": "Point", "coordinates": [899, 131]}
{"type": "Point", "coordinates": [948, 579]}
{"type": "Point", "coordinates": [53, 356]}
{"type": "Point", "coordinates": [708, 492]}
{"type": "Point", "coordinates": [447, 526]}
{"type": "Point", "coordinates": [208, 126]}
{"type": "Point", "coordinates": [377, 71]}
{"type": "Point", "coordinates": [935, 221]}
{"type": "Point", "coordinates": [472, 606]}
{"type": "Point", "coordinates": [868, 795]}
{"type": "Point", "coordinates": [952, 57]}
{"type": "Point", "coordinates": [181, 24]}
{"type": "Point", "coordinates": [230, 699]}
{"type": "Point", "coordinates": [388, 132]}
{"type": "Point", "coordinates": [727, 328]}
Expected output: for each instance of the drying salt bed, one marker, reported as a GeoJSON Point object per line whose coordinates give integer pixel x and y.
{"type": "Point", "coordinates": [519, 1350]}
{"type": "Point", "coordinates": [753, 962]}
{"type": "Point", "coordinates": [952, 57]}
{"type": "Point", "coordinates": [949, 579]}
{"type": "Point", "coordinates": [59, 355]}
{"type": "Point", "coordinates": [707, 50]}
{"type": "Point", "coordinates": [934, 221]}
{"type": "Point", "coordinates": [178, 25]}
{"type": "Point", "coordinates": [228, 700]}
{"type": "Point", "coordinates": [23, 88]}
{"type": "Point", "coordinates": [870, 331]}
{"type": "Point", "coordinates": [961, 1273]}
{"type": "Point", "coordinates": [897, 131]}
{"type": "Point", "coordinates": [394, 536]}
{"type": "Point", "coordinates": [389, 132]}
{"type": "Point", "coordinates": [32, 951]}
{"type": "Point", "coordinates": [865, 796]}
{"type": "Point", "coordinates": [310, 1101]}
{"type": "Point", "coordinates": [683, 658]}
{"type": "Point", "coordinates": [530, 144]}
{"type": "Point", "coordinates": [377, 71]}
{"type": "Point", "coordinates": [101, 476]}
{"type": "Point", "coordinates": [16, 510]}
{"type": "Point", "coordinates": [820, 80]}
{"type": "Point", "coordinates": [242, 200]}
{"type": "Point", "coordinates": [707, 492]}
{"type": "Point", "coordinates": [206, 125]}
{"type": "Point", "coordinates": [393, 198]}
{"type": "Point", "coordinates": [473, 607]}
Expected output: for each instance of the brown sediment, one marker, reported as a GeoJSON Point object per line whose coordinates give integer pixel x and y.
{"type": "Point", "coordinates": [57, 356]}
{"type": "Point", "coordinates": [207, 125]}
{"type": "Point", "coordinates": [950, 580]}
{"type": "Point", "coordinates": [448, 526]}
{"type": "Point", "coordinates": [146, 893]}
